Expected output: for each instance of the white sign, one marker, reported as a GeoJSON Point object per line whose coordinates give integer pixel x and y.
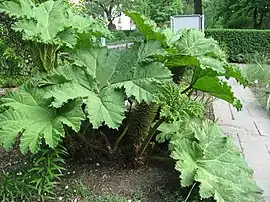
{"type": "Point", "coordinates": [180, 22]}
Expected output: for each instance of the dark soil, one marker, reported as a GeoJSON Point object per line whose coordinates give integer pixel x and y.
{"type": "Point", "coordinates": [158, 182]}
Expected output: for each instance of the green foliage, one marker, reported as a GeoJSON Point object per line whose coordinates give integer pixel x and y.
{"type": "Point", "coordinates": [30, 116]}
{"type": "Point", "coordinates": [93, 83]}
{"type": "Point", "coordinates": [148, 27]}
{"type": "Point", "coordinates": [159, 10]}
{"type": "Point", "coordinates": [120, 36]}
{"type": "Point", "coordinates": [49, 22]}
{"type": "Point", "coordinates": [105, 71]}
{"type": "Point", "coordinates": [47, 170]}
{"type": "Point", "coordinates": [51, 26]}
{"type": "Point", "coordinates": [240, 43]}
{"type": "Point", "coordinates": [112, 9]}
{"type": "Point", "coordinates": [204, 154]}
{"type": "Point", "coordinates": [191, 48]}
{"type": "Point", "coordinates": [14, 53]}
{"type": "Point", "coordinates": [10, 62]}
{"type": "Point", "coordinates": [237, 14]}
{"type": "Point", "coordinates": [258, 73]}
{"type": "Point", "coordinates": [12, 81]}
{"type": "Point", "coordinates": [35, 178]}
{"type": "Point", "coordinates": [176, 106]}
{"type": "Point", "coordinates": [209, 62]}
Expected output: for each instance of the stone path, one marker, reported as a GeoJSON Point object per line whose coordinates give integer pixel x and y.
{"type": "Point", "coordinates": [250, 130]}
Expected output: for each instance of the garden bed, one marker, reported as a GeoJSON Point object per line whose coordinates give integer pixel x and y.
{"type": "Point", "coordinates": [101, 180]}
{"type": "Point", "coordinates": [259, 77]}
{"type": "Point", "coordinates": [125, 123]}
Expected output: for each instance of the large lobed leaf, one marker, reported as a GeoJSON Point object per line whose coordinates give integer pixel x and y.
{"type": "Point", "coordinates": [191, 48]}
{"type": "Point", "coordinates": [147, 27]}
{"type": "Point", "coordinates": [209, 81]}
{"type": "Point", "coordinates": [30, 118]}
{"type": "Point", "coordinates": [194, 43]}
{"type": "Point", "coordinates": [51, 22]}
{"type": "Point", "coordinates": [204, 154]}
{"type": "Point", "coordinates": [104, 77]}
{"type": "Point", "coordinates": [22, 8]}
{"type": "Point", "coordinates": [209, 64]}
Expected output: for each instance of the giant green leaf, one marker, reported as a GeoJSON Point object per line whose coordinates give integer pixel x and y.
{"type": "Point", "coordinates": [207, 80]}
{"type": "Point", "coordinates": [28, 27]}
{"type": "Point", "coordinates": [208, 62]}
{"type": "Point", "coordinates": [17, 8]}
{"type": "Point", "coordinates": [204, 154]}
{"type": "Point", "coordinates": [151, 51]}
{"type": "Point", "coordinates": [192, 42]}
{"type": "Point", "coordinates": [236, 72]}
{"type": "Point", "coordinates": [123, 69]}
{"type": "Point", "coordinates": [30, 116]}
{"type": "Point", "coordinates": [51, 22]}
{"type": "Point", "coordinates": [147, 27]}
{"type": "Point", "coordinates": [104, 105]}
{"type": "Point", "coordinates": [219, 89]}
{"type": "Point", "coordinates": [88, 25]}
{"type": "Point", "coordinates": [100, 75]}
{"type": "Point", "coordinates": [50, 19]}
{"type": "Point", "coordinates": [203, 62]}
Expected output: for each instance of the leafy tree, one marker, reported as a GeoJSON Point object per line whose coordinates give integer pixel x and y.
{"type": "Point", "coordinates": [188, 7]}
{"type": "Point", "coordinates": [112, 9]}
{"type": "Point", "coordinates": [159, 10]}
{"type": "Point", "coordinates": [238, 14]}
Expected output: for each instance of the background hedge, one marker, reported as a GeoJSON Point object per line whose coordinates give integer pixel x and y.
{"type": "Point", "coordinates": [120, 36]}
{"type": "Point", "coordinates": [240, 43]}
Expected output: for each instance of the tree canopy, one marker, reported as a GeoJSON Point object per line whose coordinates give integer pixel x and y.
{"type": "Point", "coordinates": [112, 9]}
{"type": "Point", "coordinates": [237, 13]}
{"type": "Point", "coordinates": [160, 10]}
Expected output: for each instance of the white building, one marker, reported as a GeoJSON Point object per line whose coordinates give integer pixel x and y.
{"type": "Point", "coordinates": [124, 23]}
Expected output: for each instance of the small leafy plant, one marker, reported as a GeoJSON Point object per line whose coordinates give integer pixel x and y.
{"type": "Point", "coordinates": [33, 178]}
{"type": "Point", "coordinates": [80, 81]}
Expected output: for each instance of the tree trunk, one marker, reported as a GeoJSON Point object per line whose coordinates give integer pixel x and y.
{"type": "Point", "coordinates": [198, 7]}
{"type": "Point", "coordinates": [255, 15]}
{"type": "Point", "coordinates": [111, 26]}
{"type": "Point", "coordinates": [110, 18]}
{"type": "Point", "coordinates": [261, 20]}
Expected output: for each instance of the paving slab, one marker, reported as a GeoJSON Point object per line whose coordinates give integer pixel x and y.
{"type": "Point", "coordinates": [267, 199]}
{"type": "Point", "coordinates": [263, 125]}
{"type": "Point", "coordinates": [264, 183]}
{"type": "Point", "coordinates": [250, 131]}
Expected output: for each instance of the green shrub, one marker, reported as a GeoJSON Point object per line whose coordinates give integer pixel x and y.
{"type": "Point", "coordinates": [119, 35]}
{"type": "Point", "coordinates": [240, 43]}
{"type": "Point", "coordinates": [126, 36]}
{"type": "Point", "coordinates": [12, 81]}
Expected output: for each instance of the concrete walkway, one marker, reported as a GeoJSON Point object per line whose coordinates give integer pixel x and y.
{"type": "Point", "coordinates": [250, 130]}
